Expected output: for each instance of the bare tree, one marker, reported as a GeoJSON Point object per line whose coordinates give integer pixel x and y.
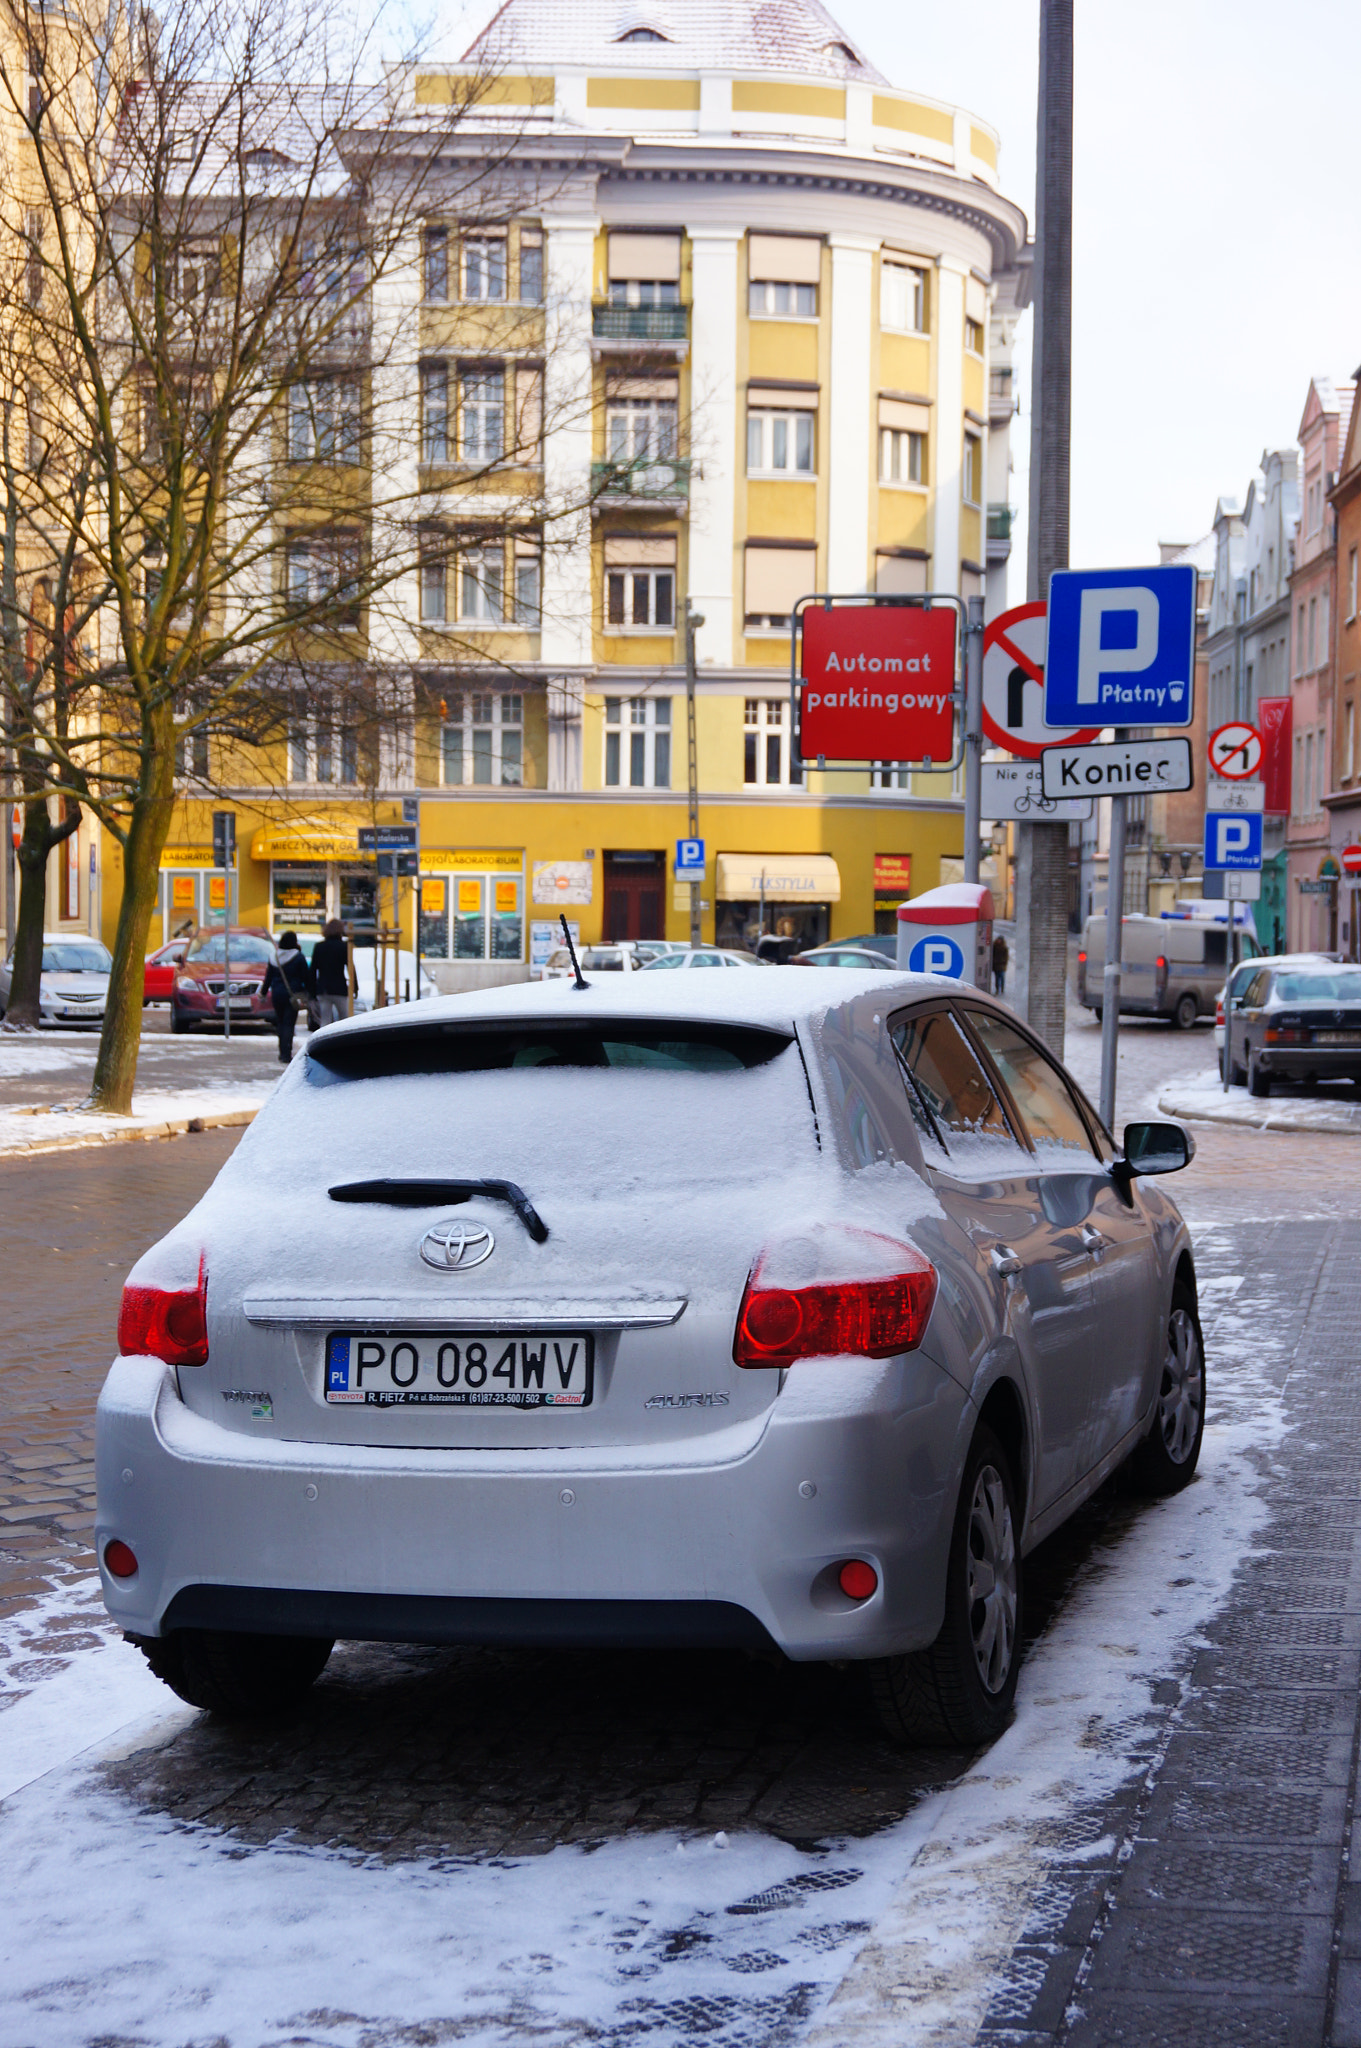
{"type": "Point", "coordinates": [222, 262]}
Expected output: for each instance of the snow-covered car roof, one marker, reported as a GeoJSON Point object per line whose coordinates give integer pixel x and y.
{"type": "Point", "coordinates": [779, 997]}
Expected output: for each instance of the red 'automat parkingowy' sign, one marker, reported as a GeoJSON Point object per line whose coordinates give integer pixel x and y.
{"type": "Point", "coordinates": [878, 683]}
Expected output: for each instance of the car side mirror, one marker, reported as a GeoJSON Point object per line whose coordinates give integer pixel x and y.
{"type": "Point", "coordinates": [1156, 1148]}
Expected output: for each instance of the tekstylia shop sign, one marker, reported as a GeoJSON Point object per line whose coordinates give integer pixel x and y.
{"type": "Point", "coordinates": [878, 682]}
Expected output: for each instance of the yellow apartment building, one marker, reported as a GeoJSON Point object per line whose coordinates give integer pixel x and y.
{"type": "Point", "coordinates": [738, 332]}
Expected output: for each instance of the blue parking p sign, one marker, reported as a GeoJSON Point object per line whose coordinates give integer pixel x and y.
{"type": "Point", "coordinates": [689, 856]}
{"type": "Point", "coordinates": [1233, 839]}
{"type": "Point", "coordinates": [1121, 647]}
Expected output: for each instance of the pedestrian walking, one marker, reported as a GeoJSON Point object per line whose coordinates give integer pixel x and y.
{"type": "Point", "coordinates": [289, 981]}
{"type": "Point", "coordinates": [331, 973]}
{"type": "Point", "coordinates": [1000, 959]}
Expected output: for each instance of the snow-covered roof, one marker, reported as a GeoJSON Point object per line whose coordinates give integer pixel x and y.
{"type": "Point", "coordinates": [779, 36]}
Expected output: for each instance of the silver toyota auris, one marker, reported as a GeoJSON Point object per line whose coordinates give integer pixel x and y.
{"type": "Point", "coordinates": [785, 1309]}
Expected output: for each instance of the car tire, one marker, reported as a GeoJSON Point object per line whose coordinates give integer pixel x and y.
{"type": "Point", "coordinates": [1259, 1083]}
{"type": "Point", "coordinates": [1186, 1012]}
{"type": "Point", "coordinates": [1096, 1011]}
{"type": "Point", "coordinates": [239, 1677]}
{"type": "Point", "coordinates": [1166, 1459]}
{"type": "Point", "coordinates": [179, 1023]}
{"type": "Point", "coordinates": [958, 1694]}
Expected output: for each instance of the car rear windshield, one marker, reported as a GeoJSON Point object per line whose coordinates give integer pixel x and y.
{"type": "Point", "coordinates": [89, 958]}
{"type": "Point", "coordinates": [470, 1049]}
{"type": "Point", "coordinates": [1342, 986]}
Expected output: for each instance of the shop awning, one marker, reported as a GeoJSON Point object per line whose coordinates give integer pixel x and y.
{"type": "Point", "coordinates": [789, 878]}
{"type": "Point", "coordinates": [307, 839]}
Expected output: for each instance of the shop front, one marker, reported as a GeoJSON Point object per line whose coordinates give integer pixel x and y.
{"type": "Point", "coordinates": [783, 896]}
{"type": "Point", "coordinates": [317, 871]}
{"type": "Point", "coordinates": [892, 886]}
{"type": "Point", "coordinates": [472, 906]}
{"type": "Point", "coordinates": [192, 891]}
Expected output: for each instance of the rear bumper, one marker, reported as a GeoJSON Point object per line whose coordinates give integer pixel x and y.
{"type": "Point", "coordinates": [1296, 1062]}
{"type": "Point", "coordinates": [400, 1545]}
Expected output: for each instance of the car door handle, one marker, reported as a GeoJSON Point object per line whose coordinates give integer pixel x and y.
{"type": "Point", "coordinates": [1005, 1260]}
{"type": "Point", "coordinates": [1093, 1239]}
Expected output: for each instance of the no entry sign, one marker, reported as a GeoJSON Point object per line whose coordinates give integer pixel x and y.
{"type": "Point", "coordinates": [878, 682]}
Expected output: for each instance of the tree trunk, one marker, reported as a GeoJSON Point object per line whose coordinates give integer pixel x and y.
{"type": "Point", "coordinates": [21, 1013]}
{"type": "Point", "coordinates": [120, 1040]}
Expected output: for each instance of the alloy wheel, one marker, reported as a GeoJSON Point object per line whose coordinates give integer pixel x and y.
{"type": "Point", "coordinates": [1182, 1394]}
{"type": "Point", "coordinates": [993, 1579]}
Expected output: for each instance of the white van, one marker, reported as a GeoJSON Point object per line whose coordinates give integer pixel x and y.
{"type": "Point", "coordinates": [1171, 967]}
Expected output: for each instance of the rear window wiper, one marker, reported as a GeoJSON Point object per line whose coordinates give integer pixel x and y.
{"type": "Point", "coordinates": [434, 1194]}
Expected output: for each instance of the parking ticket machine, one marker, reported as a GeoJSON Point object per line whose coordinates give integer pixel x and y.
{"type": "Point", "coordinates": [948, 931]}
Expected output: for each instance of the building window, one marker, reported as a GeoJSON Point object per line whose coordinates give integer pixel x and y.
{"type": "Point", "coordinates": [482, 408]}
{"type": "Point", "coordinates": [771, 301]}
{"type": "Point", "coordinates": [33, 266]}
{"type": "Point", "coordinates": [434, 412]}
{"type": "Point", "coordinates": [644, 291]}
{"type": "Point", "coordinates": [323, 420]}
{"type": "Point", "coordinates": [531, 267]}
{"type": "Point", "coordinates": [435, 254]}
{"type": "Point", "coordinates": [902, 456]}
{"type": "Point", "coordinates": [902, 299]}
{"type": "Point", "coordinates": [528, 587]}
{"type": "Point", "coordinates": [481, 584]}
{"type": "Point", "coordinates": [434, 580]}
{"type": "Point", "coordinates": [766, 744]}
{"type": "Point", "coordinates": [640, 597]}
{"type": "Point", "coordinates": [638, 742]}
{"type": "Point", "coordinates": [323, 577]}
{"type": "Point", "coordinates": [484, 267]}
{"type": "Point", "coordinates": [1299, 643]}
{"type": "Point", "coordinates": [192, 754]}
{"type": "Point", "coordinates": [640, 429]}
{"type": "Point", "coordinates": [780, 442]}
{"type": "Point", "coordinates": [1351, 583]}
{"type": "Point", "coordinates": [482, 740]}
{"type": "Point", "coordinates": [1349, 741]}
{"type": "Point", "coordinates": [323, 747]}
{"type": "Point", "coordinates": [973, 469]}
{"type": "Point", "coordinates": [35, 438]}
{"type": "Point", "coordinates": [973, 336]}
{"type": "Point", "coordinates": [1308, 773]}
{"type": "Point", "coordinates": [1313, 631]}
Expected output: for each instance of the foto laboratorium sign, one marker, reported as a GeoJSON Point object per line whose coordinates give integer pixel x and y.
{"type": "Point", "coordinates": [878, 682]}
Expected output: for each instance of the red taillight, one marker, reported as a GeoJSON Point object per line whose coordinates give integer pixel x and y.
{"type": "Point", "coordinates": [875, 1317]}
{"type": "Point", "coordinates": [1219, 1012]}
{"type": "Point", "coordinates": [160, 1322]}
{"type": "Point", "coordinates": [119, 1559]}
{"type": "Point", "coordinates": [857, 1579]}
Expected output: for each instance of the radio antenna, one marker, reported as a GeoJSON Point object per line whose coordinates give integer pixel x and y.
{"type": "Point", "coordinates": [581, 981]}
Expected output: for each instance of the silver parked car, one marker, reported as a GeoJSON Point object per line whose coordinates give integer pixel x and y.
{"type": "Point", "coordinates": [1296, 1020]}
{"type": "Point", "coordinates": [73, 987]}
{"type": "Point", "coordinates": [786, 1313]}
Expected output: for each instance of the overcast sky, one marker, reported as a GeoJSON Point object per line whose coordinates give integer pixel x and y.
{"type": "Point", "coordinates": [1217, 229]}
{"type": "Point", "coordinates": [1216, 235]}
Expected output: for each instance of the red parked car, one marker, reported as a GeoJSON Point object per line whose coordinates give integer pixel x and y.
{"type": "Point", "coordinates": [200, 994]}
{"type": "Point", "coordinates": [158, 977]}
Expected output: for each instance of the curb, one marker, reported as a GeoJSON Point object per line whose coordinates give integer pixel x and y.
{"type": "Point", "coordinates": [171, 1127]}
{"type": "Point", "coordinates": [1317, 1121]}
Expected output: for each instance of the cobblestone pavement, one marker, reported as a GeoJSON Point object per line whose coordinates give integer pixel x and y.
{"type": "Point", "coordinates": [1214, 1912]}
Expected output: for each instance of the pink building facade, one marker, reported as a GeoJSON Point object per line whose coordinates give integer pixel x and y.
{"type": "Point", "coordinates": [1312, 908]}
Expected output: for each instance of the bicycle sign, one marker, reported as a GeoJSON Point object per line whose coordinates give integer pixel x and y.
{"type": "Point", "coordinates": [1013, 789]}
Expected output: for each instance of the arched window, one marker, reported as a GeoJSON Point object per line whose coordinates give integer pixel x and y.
{"type": "Point", "coordinates": [641, 35]}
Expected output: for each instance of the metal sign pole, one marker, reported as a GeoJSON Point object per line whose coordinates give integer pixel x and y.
{"type": "Point", "coordinates": [973, 737]}
{"type": "Point", "coordinates": [1110, 981]}
{"type": "Point", "coordinates": [693, 621]}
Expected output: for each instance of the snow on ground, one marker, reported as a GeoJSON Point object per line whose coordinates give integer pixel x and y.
{"type": "Point", "coordinates": [122, 1923]}
{"type": "Point", "coordinates": [1203, 1095]}
{"type": "Point", "coordinates": [155, 1113]}
{"type": "Point", "coordinates": [26, 1053]}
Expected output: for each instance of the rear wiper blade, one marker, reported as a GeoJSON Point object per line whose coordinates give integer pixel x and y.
{"type": "Point", "coordinates": [432, 1194]}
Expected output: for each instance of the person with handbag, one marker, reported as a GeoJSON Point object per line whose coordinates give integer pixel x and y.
{"type": "Point", "coordinates": [288, 979]}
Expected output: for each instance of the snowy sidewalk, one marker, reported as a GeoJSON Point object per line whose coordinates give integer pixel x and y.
{"type": "Point", "coordinates": [45, 1127]}
{"type": "Point", "coordinates": [1202, 1098]}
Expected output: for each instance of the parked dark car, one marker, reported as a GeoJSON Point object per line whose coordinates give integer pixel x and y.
{"type": "Point", "coordinates": [1296, 1021]}
{"type": "Point", "coordinates": [201, 995]}
{"type": "Point", "coordinates": [871, 949]}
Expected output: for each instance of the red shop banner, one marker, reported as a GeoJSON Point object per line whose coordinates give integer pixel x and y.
{"type": "Point", "coordinates": [1274, 723]}
{"type": "Point", "coordinates": [878, 682]}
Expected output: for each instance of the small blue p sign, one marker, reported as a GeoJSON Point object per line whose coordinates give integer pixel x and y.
{"type": "Point", "coordinates": [689, 856]}
{"type": "Point", "coordinates": [935, 954]}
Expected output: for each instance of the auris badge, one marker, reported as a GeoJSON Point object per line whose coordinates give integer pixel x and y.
{"type": "Point", "coordinates": [454, 1246]}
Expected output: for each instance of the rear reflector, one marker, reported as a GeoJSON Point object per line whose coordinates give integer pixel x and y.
{"type": "Point", "coordinates": [858, 1579]}
{"type": "Point", "coordinates": [119, 1559]}
{"type": "Point", "coordinates": [160, 1322]}
{"type": "Point", "coordinates": [859, 1318]}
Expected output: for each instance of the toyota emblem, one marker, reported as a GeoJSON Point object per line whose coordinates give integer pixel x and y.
{"type": "Point", "coordinates": [453, 1246]}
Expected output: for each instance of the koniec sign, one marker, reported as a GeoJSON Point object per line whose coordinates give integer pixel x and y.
{"type": "Point", "coordinates": [878, 682]}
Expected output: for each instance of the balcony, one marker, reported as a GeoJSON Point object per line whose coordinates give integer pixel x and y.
{"type": "Point", "coordinates": [640, 330]}
{"type": "Point", "coordinates": [1001, 519]}
{"type": "Point", "coordinates": [659, 481]}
